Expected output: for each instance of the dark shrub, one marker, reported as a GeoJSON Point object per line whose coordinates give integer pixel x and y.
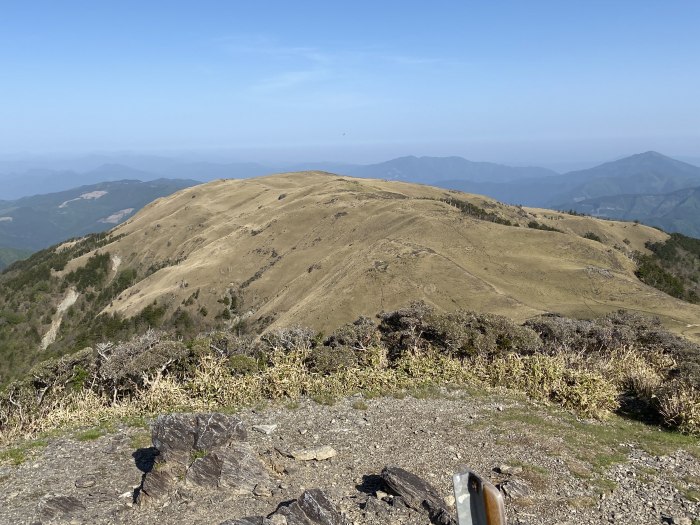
{"type": "Point", "coordinates": [465, 334]}
{"type": "Point", "coordinates": [460, 333]}
{"type": "Point", "coordinates": [124, 366]}
{"type": "Point", "coordinates": [404, 329]}
{"type": "Point", "coordinates": [326, 360]}
{"type": "Point", "coordinates": [358, 335]}
{"type": "Point", "coordinates": [243, 365]}
{"type": "Point", "coordinates": [289, 338]}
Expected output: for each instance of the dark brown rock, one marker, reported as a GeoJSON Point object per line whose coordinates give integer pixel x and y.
{"type": "Point", "coordinates": [418, 494]}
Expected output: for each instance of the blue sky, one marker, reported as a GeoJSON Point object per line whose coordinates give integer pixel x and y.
{"type": "Point", "coordinates": [520, 81]}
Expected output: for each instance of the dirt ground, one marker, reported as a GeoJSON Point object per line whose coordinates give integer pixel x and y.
{"type": "Point", "coordinates": [576, 472]}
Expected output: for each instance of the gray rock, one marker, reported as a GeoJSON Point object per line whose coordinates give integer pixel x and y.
{"type": "Point", "coordinates": [174, 436]}
{"type": "Point", "coordinates": [265, 429]}
{"type": "Point", "coordinates": [177, 435]}
{"type": "Point", "coordinates": [252, 520]}
{"type": "Point", "coordinates": [312, 508]}
{"type": "Point", "coordinates": [156, 485]}
{"type": "Point", "coordinates": [418, 494]}
{"type": "Point", "coordinates": [208, 451]}
{"type": "Point", "coordinates": [318, 453]}
{"type": "Point", "coordinates": [241, 469]}
{"type": "Point", "coordinates": [514, 489]}
{"type": "Point", "coordinates": [206, 471]}
{"type": "Point", "coordinates": [376, 507]}
{"type": "Point", "coordinates": [236, 468]}
{"type": "Point", "coordinates": [218, 430]}
{"type": "Point", "coordinates": [61, 507]}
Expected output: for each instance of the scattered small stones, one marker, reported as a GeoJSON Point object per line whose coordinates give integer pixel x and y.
{"type": "Point", "coordinates": [106, 486]}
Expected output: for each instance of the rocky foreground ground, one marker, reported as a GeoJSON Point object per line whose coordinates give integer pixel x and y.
{"type": "Point", "coordinates": [551, 468]}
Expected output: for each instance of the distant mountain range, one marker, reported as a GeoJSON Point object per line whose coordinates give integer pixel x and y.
{"type": "Point", "coordinates": [603, 190]}
{"type": "Point", "coordinates": [678, 211]}
{"type": "Point", "coordinates": [431, 170]}
{"type": "Point", "coordinates": [423, 170]}
{"type": "Point", "coordinates": [31, 223]}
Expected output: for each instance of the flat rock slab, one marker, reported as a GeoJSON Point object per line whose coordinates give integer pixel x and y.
{"type": "Point", "coordinates": [418, 494]}
{"type": "Point", "coordinates": [265, 429]}
{"type": "Point", "coordinates": [318, 453]}
{"type": "Point", "coordinates": [61, 507]}
{"type": "Point", "coordinates": [253, 520]}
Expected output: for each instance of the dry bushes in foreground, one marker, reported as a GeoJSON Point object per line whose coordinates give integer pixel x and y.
{"type": "Point", "coordinates": [620, 362]}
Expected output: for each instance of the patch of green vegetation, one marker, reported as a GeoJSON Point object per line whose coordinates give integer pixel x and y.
{"type": "Point", "coordinates": [596, 445]}
{"type": "Point", "coordinates": [20, 453]}
{"type": "Point", "coordinates": [140, 440]}
{"type": "Point", "coordinates": [478, 213]}
{"type": "Point", "coordinates": [197, 454]}
{"type": "Point", "coordinates": [324, 398]}
{"type": "Point", "coordinates": [540, 226]}
{"type": "Point", "coordinates": [576, 213]}
{"type": "Point", "coordinates": [10, 255]}
{"type": "Point", "coordinates": [14, 456]}
{"type": "Point", "coordinates": [581, 502]}
{"type": "Point", "coordinates": [604, 485]}
{"type": "Point", "coordinates": [673, 267]}
{"type": "Point", "coordinates": [92, 274]}
{"type": "Point", "coordinates": [426, 391]}
{"type": "Point", "coordinates": [592, 236]}
{"type": "Point", "coordinates": [359, 405]}
{"type": "Point", "coordinates": [90, 435]}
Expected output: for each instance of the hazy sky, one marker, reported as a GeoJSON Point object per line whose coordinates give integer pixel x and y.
{"type": "Point", "coordinates": [519, 81]}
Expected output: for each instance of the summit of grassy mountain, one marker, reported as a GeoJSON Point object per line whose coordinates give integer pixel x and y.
{"type": "Point", "coordinates": [320, 250]}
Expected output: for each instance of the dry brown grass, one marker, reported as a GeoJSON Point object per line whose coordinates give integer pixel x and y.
{"type": "Point", "coordinates": [319, 256]}
{"type": "Point", "coordinates": [566, 379]}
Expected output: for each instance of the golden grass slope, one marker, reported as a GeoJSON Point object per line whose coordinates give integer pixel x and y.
{"type": "Point", "coordinates": [320, 250]}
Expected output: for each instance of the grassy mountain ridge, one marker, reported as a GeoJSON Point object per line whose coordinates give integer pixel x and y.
{"type": "Point", "coordinates": [320, 250]}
